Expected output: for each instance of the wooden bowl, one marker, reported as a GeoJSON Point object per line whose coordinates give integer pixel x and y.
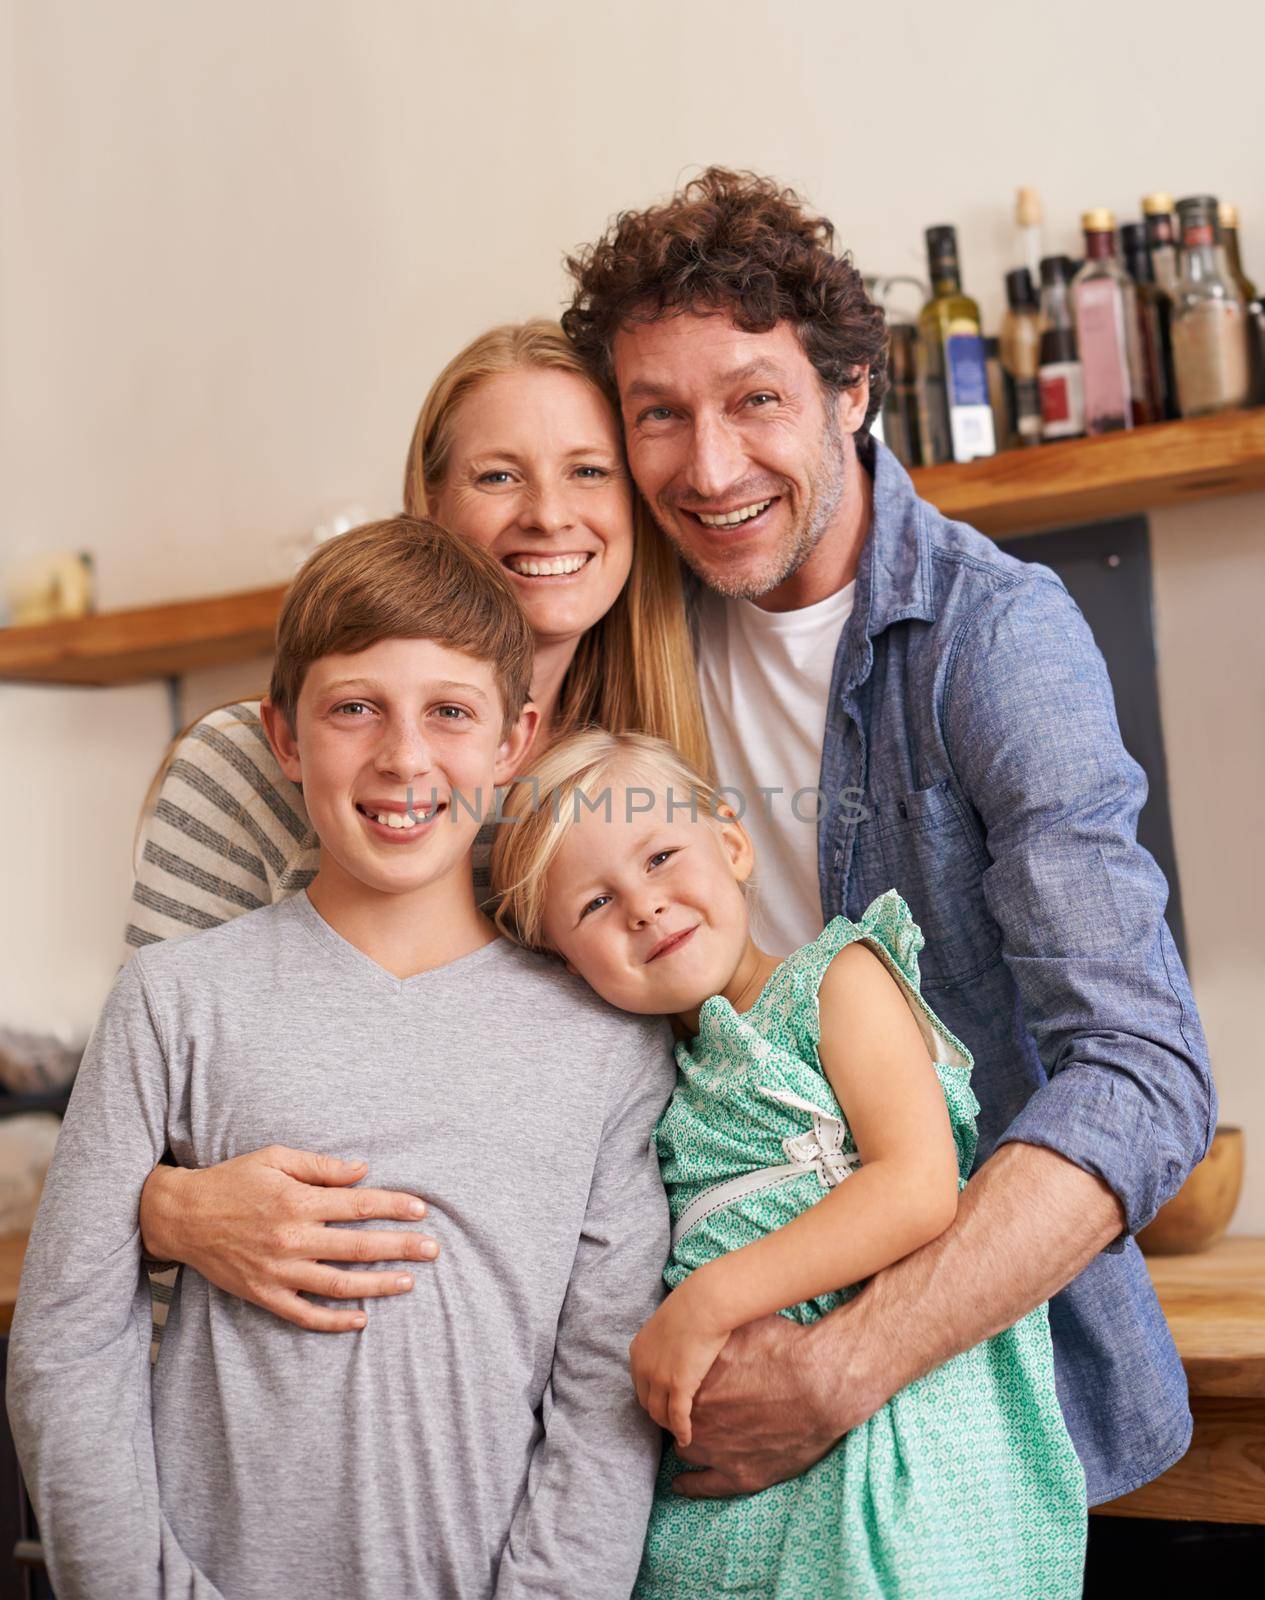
{"type": "Point", "coordinates": [1199, 1213]}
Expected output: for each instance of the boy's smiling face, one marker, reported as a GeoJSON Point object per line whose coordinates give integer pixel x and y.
{"type": "Point", "coordinates": [409, 729]}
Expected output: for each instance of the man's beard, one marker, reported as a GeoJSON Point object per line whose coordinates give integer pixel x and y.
{"type": "Point", "coordinates": [829, 482]}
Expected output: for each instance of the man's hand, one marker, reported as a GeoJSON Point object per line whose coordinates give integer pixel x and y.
{"type": "Point", "coordinates": [769, 1409]}
{"type": "Point", "coordinates": [257, 1227]}
{"type": "Point", "coordinates": [779, 1395]}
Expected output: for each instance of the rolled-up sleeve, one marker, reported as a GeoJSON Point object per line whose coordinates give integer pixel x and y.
{"type": "Point", "coordinates": [1031, 730]}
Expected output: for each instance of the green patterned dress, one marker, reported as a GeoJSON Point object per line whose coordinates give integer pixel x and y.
{"type": "Point", "coordinates": [965, 1485]}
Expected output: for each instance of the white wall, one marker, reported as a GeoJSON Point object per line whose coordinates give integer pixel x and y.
{"type": "Point", "coordinates": [240, 239]}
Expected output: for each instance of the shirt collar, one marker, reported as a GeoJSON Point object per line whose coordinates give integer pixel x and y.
{"type": "Point", "coordinates": [894, 580]}
{"type": "Point", "coordinates": [893, 570]}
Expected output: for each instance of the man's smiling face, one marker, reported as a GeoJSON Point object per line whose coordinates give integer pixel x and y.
{"type": "Point", "coordinates": [738, 451]}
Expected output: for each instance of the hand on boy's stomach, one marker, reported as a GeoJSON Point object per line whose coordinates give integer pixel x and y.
{"type": "Point", "coordinates": [263, 1227]}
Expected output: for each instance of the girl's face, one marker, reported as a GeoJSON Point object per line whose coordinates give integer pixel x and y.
{"type": "Point", "coordinates": [643, 899]}
{"type": "Point", "coordinates": [536, 475]}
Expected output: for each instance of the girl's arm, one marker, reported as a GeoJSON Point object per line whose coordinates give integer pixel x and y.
{"type": "Point", "coordinates": [906, 1191]}
{"type": "Point", "coordinates": [903, 1195]}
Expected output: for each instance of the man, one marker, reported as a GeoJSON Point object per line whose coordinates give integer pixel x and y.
{"type": "Point", "coordinates": [964, 727]}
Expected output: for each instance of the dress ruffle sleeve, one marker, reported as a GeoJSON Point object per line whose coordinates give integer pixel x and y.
{"type": "Point", "coordinates": [888, 928]}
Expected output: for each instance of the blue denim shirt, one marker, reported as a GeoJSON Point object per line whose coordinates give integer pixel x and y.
{"type": "Point", "coordinates": [975, 762]}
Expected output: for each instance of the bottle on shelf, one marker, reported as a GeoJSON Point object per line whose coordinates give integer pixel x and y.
{"type": "Point", "coordinates": [957, 420]}
{"type": "Point", "coordinates": [1161, 238]}
{"type": "Point", "coordinates": [1021, 359]}
{"type": "Point", "coordinates": [1003, 439]}
{"type": "Point", "coordinates": [1104, 303]}
{"type": "Point", "coordinates": [1028, 218]}
{"type": "Point", "coordinates": [901, 299]}
{"type": "Point", "coordinates": [1210, 346]}
{"type": "Point", "coordinates": [1059, 371]}
{"type": "Point", "coordinates": [1228, 216]}
{"type": "Point", "coordinates": [1256, 352]}
{"type": "Point", "coordinates": [900, 403]}
{"type": "Point", "coordinates": [1154, 314]}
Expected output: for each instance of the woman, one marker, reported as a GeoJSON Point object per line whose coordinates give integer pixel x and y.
{"type": "Point", "coordinates": [516, 448]}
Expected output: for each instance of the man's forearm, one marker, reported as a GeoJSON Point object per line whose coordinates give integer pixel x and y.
{"type": "Point", "coordinates": [1028, 1222]}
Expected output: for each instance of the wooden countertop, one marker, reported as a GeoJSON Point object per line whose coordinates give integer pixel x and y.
{"type": "Point", "coordinates": [1215, 1305]}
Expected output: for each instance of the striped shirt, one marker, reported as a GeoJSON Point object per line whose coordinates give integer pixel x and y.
{"type": "Point", "coordinates": [229, 833]}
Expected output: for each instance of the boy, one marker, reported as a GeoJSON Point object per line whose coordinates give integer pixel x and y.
{"type": "Point", "coordinates": [479, 1436]}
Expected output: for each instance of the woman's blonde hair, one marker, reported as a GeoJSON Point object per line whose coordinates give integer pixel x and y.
{"type": "Point", "coordinates": [570, 778]}
{"type": "Point", "coordinates": [633, 669]}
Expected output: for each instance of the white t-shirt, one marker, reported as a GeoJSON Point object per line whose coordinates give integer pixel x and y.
{"type": "Point", "coordinates": [765, 680]}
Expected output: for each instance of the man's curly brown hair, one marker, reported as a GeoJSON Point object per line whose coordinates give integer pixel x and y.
{"type": "Point", "coordinates": [735, 242]}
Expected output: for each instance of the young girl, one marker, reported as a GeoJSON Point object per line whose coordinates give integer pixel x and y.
{"type": "Point", "coordinates": [794, 1076]}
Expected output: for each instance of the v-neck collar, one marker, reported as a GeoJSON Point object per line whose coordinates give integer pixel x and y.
{"type": "Point", "coordinates": [354, 959]}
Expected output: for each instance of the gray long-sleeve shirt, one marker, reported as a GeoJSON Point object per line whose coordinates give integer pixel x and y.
{"type": "Point", "coordinates": [480, 1435]}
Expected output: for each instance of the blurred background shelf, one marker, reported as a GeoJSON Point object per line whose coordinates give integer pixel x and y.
{"type": "Point", "coordinates": [163, 641]}
{"type": "Point", "coordinates": [1111, 475]}
{"type": "Point", "coordinates": [1019, 491]}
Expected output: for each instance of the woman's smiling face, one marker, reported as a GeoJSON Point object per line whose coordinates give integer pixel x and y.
{"type": "Point", "coordinates": [536, 475]}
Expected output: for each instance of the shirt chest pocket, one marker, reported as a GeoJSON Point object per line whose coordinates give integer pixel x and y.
{"type": "Point", "coordinates": [923, 845]}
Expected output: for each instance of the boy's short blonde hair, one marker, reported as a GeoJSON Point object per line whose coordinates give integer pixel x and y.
{"type": "Point", "coordinates": [404, 578]}
{"type": "Point", "coordinates": [541, 806]}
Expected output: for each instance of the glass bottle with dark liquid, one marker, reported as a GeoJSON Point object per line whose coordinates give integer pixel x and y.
{"type": "Point", "coordinates": [1021, 358]}
{"type": "Point", "coordinates": [1059, 371]}
{"type": "Point", "coordinates": [1228, 216]}
{"type": "Point", "coordinates": [1161, 238]}
{"type": "Point", "coordinates": [1154, 309]}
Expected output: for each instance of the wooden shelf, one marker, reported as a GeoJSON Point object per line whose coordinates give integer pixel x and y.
{"type": "Point", "coordinates": [152, 642]}
{"type": "Point", "coordinates": [1113, 475]}
{"type": "Point", "coordinates": [1057, 485]}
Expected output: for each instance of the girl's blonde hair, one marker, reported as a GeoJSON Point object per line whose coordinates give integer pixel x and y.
{"type": "Point", "coordinates": [541, 806]}
{"type": "Point", "coordinates": [634, 668]}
